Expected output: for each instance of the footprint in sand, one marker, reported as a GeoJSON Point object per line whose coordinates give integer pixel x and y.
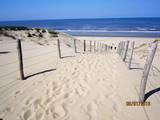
{"type": "Point", "coordinates": [28, 101]}
{"type": "Point", "coordinates": [48, 92]}
{"type": "Point", "coordinates": [54, 86]}
{"type": "Point", "coordinates": [39, 114]}
{"type": "Point", "coordinates": [91, 110]}
{"type": "Point", "coordinates": [27, 115]}
{"type": "Point", "coordinates": [47, 101]}
{"type": "Point", "coordinates": [36, 103]}
{"type": "Point", "coordinates": [67, 95]}
{"type": "Point", "coordinates": [116, 102]}
{"type": "Point", "coordinates": [58, 111]}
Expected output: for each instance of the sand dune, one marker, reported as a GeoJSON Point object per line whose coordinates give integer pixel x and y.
{"type": "Point", "coordinates": [90, 86]}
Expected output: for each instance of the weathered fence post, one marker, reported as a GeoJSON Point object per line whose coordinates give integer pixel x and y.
{"type": "Point", "coordinates": [59, 48]}
{"type": "Point", "coordinates": [149, 60]}
{"type": "Point", "coordinates": [84, 45]}
{"type": "Point", "coordinates": [94, 46]}
{"type": "Point", "coordinates": [100, 47]}
{"type": "Point", "coordinates": [126, 50]}
{"type": "Point", "coordinates": [130, 60]}
{"type": "Point", "coordinates": [20, 55]}
{"type": "Point", "coordinates": [97, 46]}
{"type": "Point", "coordinates": [122, 49]}
{"type": "Point", "coordinates": [105, 47]}
{"type": "Point", "coordinates": [75, 47]}
{"type": "Point", "coordinates": [90, 46]}
{"type": "Point", "coordinates": [118, 48]}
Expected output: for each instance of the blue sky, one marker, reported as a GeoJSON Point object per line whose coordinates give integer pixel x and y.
{"type": "Point", "coordinates": [69, 9]}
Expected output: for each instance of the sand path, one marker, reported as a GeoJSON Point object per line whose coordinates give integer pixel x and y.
{"type": "Point", "coordinates": [87, 87]}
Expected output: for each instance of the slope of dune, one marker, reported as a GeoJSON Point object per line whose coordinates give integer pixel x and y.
{"type": "Point", "coordinates": [81, 86]}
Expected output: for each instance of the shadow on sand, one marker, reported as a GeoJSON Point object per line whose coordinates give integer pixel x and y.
{"type": "Point", "coordinates": [136, 68]}
{"type": "Point", "coordinates": [45, 71]}
{"type": "Point", "coordinates": [66, 57]}
{"type": "Point", "coordinates": [5, 52]}
{"type": "Point", "coordinates": [148, 94]}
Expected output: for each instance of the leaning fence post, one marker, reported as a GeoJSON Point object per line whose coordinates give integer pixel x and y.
{"type": "Point", "coordinates": [84, 45]}
{"type": "Point", "coordinates": [149, 60]}
{"type": "Point", "coordinates": [90, 46]}
{"type": "Point", "coordinates": [126, 50]}
{"type": "Point", "coordinates": [20, 55]}
{"type": "Point", "coordinates": [130, 60]}
{"type": "Point", "coordinates": [59, 49]}
{"type": "Point", "coordinates": [75, 47]}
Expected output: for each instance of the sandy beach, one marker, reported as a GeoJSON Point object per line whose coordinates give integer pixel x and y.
{"type": "Point", "coordinates": [80, 86]}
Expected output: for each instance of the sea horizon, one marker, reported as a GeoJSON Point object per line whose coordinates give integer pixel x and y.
{"type": "Point", "coordinates": [75, 19]}
{"type": "Point", "coordinates": [118, 27]}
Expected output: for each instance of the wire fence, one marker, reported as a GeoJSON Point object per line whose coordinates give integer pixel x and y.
{"type": "Point", "coordinates": [30, 56]}
{"type": "Point", "coordinates": [142, 58]}
{"type": "Point", "coordinates": [34, 63]}
{"type": "Point", "coordinates": [28, 61]}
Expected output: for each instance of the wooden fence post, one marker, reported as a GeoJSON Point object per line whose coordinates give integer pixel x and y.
{"type": "Point", "coordinates": [149, 60]}
{"type": "Point", "coordinates": [126, 50]}
{"type": "Point", "coordinates": [122, 48]}
{"type": "Point", "coordinates": [90, 46]}
{"type": "Point", "coordinates": [101, 47]}
{"type": "Point", "coordinates": [75, 47]}
{"type": "Point", "coordinates": [118, 48]}
{"type": "Point", "coordinates": [130, 60]}
{"type": "Point", "coordinates": [59, 48]}
{"type": "Point", "coordinates": [97, 46]}
{"type": "Point", "coordinates": [105, 47]}
{"type": "Point", "coordinates": [84, 45]}
{"type": "Point", "coordinates": [20, 55]}
{"type": "Point", "coordinates": [94, 46]}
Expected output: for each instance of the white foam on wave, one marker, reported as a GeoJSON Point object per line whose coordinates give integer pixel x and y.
{"type": "Point", "coordinates": [108, 31]}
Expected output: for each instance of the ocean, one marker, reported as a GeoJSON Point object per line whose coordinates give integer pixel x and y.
{"type": "Point", "coordinates": [109, 27]}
